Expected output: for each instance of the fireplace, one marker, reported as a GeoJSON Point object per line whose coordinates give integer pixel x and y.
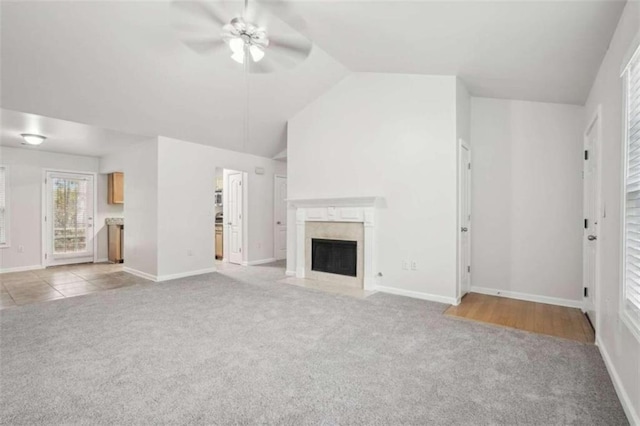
{"type": "Point", "coordinates": [334, 256]}
{"type": "Point", "coordinates": [344, 227]}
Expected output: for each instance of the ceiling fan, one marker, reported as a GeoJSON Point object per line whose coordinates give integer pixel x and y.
{"type": "Point", "coordinates": [250, 38]}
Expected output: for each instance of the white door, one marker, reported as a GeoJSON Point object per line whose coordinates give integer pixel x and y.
{"type": "Point", "coordinates": [234, 221]}
{"type": "Point", "coordinates": [591, 217]}
{"type": "Point", "coordinates": [69, 218]}
{"type": "Point", "coordinates": [465, 219]}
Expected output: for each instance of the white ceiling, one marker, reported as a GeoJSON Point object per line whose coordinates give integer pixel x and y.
{"type": "Point", "coordinates": [119, 65]}
{"type": "Point", "coordinates": [66, 137]}
{"type": "Point", "coordinates": [547, 51]}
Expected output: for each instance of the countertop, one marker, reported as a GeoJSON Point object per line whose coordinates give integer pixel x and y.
{"type": "Point", "coordinates": [114, 221]}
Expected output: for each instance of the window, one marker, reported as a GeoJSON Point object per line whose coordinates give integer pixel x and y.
{"type": "Point", "coordinates": [631, 222]}
{"type": "Point", "coordinates": [4, 213]}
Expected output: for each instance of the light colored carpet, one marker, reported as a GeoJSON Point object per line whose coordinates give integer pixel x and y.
{"type": "Point", "coordinates": [237, 347]}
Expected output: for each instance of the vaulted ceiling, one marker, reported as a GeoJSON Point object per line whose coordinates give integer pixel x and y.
{"type": "Point", "coordinates": [119, 65]}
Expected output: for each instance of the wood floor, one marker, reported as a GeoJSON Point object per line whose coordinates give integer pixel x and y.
{"type": "Point", "coordinates": [559, 321]}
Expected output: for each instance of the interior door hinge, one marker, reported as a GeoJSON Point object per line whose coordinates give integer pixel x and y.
{"type": "Point", "coordinates": [240, 250]}
{"type": "Point", "coordinates": [469, 166]}
{"type": "Point", "coordinates": [586, 292]}
{"type": "Point", "coordinates": [45, 256]}
{"type": "Point", "coordinates": [586, 224]}
{"type": "Point", "coordinates": [469, 268]}
{"type": "Point", "coordinates": [586, 154]}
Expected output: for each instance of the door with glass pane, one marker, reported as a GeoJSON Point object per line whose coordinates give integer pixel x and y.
{"type": "Point", "coordinates": [69, 218]}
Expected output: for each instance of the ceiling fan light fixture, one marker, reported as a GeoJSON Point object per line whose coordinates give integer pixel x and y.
{"type": "Point", "coordinates": [238, 56]}
{"type": "Point", "coordinates": [32, 139]}
{"type": "Point", "coordinates": [236, 45]}
{"type": "Point", "coordinates": [256, 53]}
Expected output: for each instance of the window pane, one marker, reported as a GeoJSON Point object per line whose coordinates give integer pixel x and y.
{"type": "Point", "coordinates": [70, 215]}
{"type": "Point", "coordinates": [632, 198]}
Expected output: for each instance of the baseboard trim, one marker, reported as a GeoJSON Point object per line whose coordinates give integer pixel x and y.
{"type": "Point", "coordinates": [140, 274]}
{"type": "Point", "coordinates": [185, 274]}
{"type": "Point", "coordinates": [632, 415]}
{"type": "Point", "coordinates": [290, 273]}
{"type": "Point", "coordinates": [21, 269]}
{"type": "Point", "coordinates": [528, 297]}
{"type": "Point", "coordinates": [105, 260]}
{"type": "Point", "coordinates": [259, 262]}
{"type": "Point", "coordinates": [418, 295]}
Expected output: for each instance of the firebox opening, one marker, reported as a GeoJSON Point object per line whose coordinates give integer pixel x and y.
{"type": "Point", "coordinates": [334, 256]}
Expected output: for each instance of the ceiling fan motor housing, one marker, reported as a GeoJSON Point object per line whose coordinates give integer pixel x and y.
{"type": "Point", "coordinates": [249, 33]}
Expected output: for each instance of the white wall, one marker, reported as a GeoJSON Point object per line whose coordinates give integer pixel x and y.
{"type": "Point", "coordinates": [620, 348]}
{"type": "Point", "coordinates": [169, 204]}
{"type": "Point", "coordinates": [186, 204]}
{"type": "Point", "coordinates": [527, 198]}
{"type": "Point", "coordinates": [25, 203]}
{"type": "Point", "coordinates": [139, 163]}
{"type": "Point", "coordinates": [141, 186]}
{"type": "Point", "coordinates": [463, 112]}
{"type": "Point", "coordinates": [392, 136]}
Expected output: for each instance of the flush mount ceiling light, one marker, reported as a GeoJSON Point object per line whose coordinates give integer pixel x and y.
{"type": "Point", "coordinates": [31, 139]}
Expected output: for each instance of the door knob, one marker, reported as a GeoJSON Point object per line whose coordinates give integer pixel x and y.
{"type": "Point", "coordinates": [279, 223]}
{"type": "Point", "coordinates": [464, 229]}
{"type": "Point", "coordinates": [592, 238]}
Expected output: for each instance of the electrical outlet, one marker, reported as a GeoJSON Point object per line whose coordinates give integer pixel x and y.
{"type": "Point", "coordinates": [405, 265]}
{"type": "Point", "coordinates": [414, 265]}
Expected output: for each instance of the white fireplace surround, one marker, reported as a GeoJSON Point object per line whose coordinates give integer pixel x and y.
{"type": "Point", "coordinates": [355, 209]}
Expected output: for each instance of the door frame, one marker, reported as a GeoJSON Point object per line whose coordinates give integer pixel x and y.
{"type": "Point", "coordinates": [462, 144]}
{"type": "Point", "coordinates": [275, 227]}
{"type": "Point", "coordinates": [595, 119]}
{"type": "Point", "coordinates": [245, 215]}
{"type": "Point", "coordinates": [44, 211]}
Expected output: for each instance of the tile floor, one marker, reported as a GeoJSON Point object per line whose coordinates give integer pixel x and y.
{"type": "Point", "coordinates": [328, 287]}
{"type": "Point", "coordinates": [21, 288]}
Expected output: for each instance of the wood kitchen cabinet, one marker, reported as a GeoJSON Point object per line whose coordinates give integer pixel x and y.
{"type": "Point", "coordinates": [115, 192]}
{"type": "Point", "coordinates": [116, 243]}
{"type": "Point", "coordinates": [219, 253]}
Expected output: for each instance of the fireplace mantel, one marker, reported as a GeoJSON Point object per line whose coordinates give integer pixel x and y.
{"type": "Point", "coordinates": [335, 202]}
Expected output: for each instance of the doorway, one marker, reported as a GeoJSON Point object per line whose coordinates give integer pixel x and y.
{"type": "Point", "coordinates": [68, 218]}
{"type": "Point", "coordinates": [591, 191]}
{"type": "Point", "coordinates": [280, 217]}
{"type": "Point", "coordinates": [464, 220]}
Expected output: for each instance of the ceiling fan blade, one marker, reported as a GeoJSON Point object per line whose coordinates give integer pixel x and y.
{"type": "Point", "coordinates": [198, 10]}
{"type": "Point", "coordinates": [263, 14]}
{"type": "Point", "coordinates": [265, 66]}
{"type": "Point", "coordinates": [295, 46]}
{"type": "Point", "coordinates": [205, 45]}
